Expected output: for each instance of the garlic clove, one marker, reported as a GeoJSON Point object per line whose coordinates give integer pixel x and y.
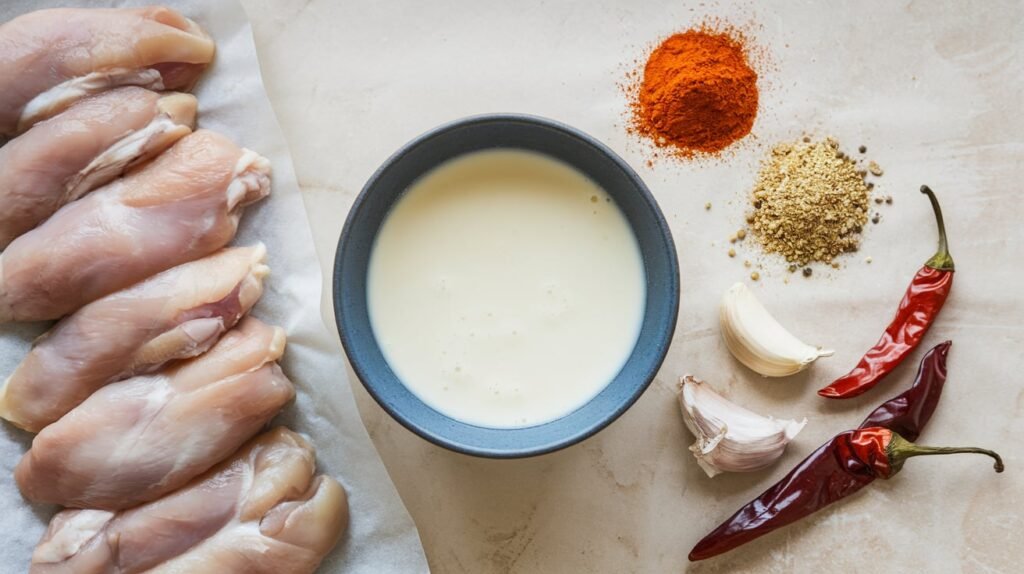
{"type": "Point", "coordinates": [730, 438]}
{"type": "Point", "coordinates": [758, 340]}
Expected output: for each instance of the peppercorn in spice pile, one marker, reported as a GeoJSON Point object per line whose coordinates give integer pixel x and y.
{"type": "Point", "coordinates": [810, 202]}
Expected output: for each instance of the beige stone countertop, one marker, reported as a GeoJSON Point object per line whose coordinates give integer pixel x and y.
{"type": "Point", "coordinates": [933, 89]}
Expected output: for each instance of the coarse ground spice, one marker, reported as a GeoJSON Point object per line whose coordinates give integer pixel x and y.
{"type": "Point", "coordinates": [698, 94]}
{"type": "Point", "coordinates": [809, 203]}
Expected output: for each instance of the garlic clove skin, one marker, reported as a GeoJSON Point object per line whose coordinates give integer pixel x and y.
{"type": "Point", "coordinates": [758, 340]}
{"type": "Point", "coordinates": [730, 438]}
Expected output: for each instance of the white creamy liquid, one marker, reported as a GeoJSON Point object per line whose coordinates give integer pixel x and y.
{"type": "Point", "coordinates": [506, 289]}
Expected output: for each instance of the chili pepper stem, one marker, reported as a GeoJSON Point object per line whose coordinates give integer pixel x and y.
{"type": "Point", "coordinates": [942, 260]}
{"type": "Point", "coordinates": [900, 449]}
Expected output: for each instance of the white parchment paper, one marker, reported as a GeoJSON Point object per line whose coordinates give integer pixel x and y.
{"type": "Point", "coordinates": [382, 537]}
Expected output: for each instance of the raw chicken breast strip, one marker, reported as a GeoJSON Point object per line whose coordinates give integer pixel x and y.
{"type": "Point", "coordinates": [138, 439]}
{"type": "Point", "coordinates": [90, 144]}
{"type": "Point", "coordinates": [50, 58]}
{"type": "Point", "coordinates": [177, 314]}
{"type": "Point", "coordinates": [183, 205]}
{"type": "Point", "coordinates": [261, 511]}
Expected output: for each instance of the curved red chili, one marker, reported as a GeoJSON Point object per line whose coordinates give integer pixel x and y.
{"type": "Point", "coordinates": [818, 481]}
{"type": "Point", "coordinates": [908, 412]}
{"type": "Point", "coordinates": [839, 468]}
{"type": "Point", "coordinates": [921, 303]}
{"type": "Point", "coordinates": [823, 477]}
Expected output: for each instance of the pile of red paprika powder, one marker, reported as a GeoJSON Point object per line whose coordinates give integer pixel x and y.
{"type": "Point", "coordinates": [698, 93]}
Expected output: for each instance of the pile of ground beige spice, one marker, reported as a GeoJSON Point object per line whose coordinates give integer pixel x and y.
{"type": "Point", "coordinates": [810, 202]}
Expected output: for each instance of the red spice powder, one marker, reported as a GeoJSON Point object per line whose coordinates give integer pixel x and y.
{"type": "Point", "coordinates": [698, 94]}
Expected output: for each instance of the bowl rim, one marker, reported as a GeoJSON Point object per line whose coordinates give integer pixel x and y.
{"type": "Point", "coordinates": [586, 431]}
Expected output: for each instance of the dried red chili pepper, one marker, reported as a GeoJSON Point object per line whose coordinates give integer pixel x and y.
{"type": "Point", "coordinates": [838, 468]}
{"type": "Point", "coordinates": [908, 412]}
{"type": "Point", "coordinates": [921, 303]}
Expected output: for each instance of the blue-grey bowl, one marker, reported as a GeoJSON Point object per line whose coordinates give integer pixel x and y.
{"type": "Point", "coordinates": [560, 142]}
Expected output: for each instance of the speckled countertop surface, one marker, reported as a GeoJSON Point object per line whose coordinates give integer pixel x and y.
{"type": "Point", "coordinates": [933, 89]}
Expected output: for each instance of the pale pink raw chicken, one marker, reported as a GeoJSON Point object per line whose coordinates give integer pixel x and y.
{"type": "Point", "coordinates": [183, 205]}
{"type": "Point", "coordinates": [51, 58]}
{"type": "Point", "coordinates": [263, 511]}
{"type": "Point", "coordinates": [177, 314]}
{"type": "Point", "coordinates": [88, 145]}
{"type": "Point", "coordinates": [136, 440]}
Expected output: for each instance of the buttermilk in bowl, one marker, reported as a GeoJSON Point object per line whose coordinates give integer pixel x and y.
{"type": "Point", "coordinates": [505, 289]}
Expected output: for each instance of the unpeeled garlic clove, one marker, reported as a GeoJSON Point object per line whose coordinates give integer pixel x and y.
{"type": "Point", "coordinates": [759, 341]}
{"type": "Point", "coordinates": [731, 438]}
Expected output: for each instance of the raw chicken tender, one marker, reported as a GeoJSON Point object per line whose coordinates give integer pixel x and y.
{"type": "Point", "coordinates": [183, 205]}
{"type": "Point", "coordinates": [177, 314]}
{"type": "Point", "coordinates": [90, 144]}
{"type": "Point", "coordinates": [261, 511]}
{"type": "Point", "coordinates": [51, 58]}
{"type": "Point", "coordinates": [139, 439]}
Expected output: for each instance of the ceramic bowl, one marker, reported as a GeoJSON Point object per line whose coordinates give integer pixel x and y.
{"type": "Point", "coordinates": [558, 141]}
